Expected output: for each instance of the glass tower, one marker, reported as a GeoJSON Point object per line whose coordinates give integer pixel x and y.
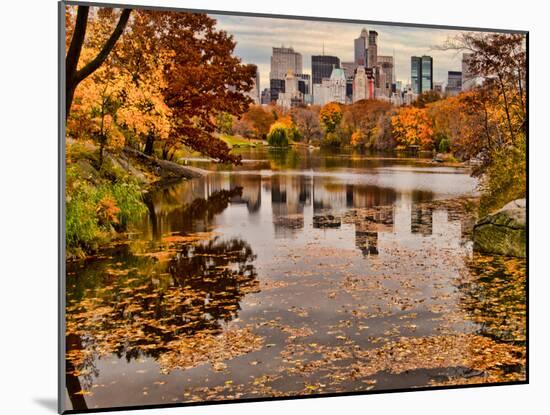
{"type": "Point", "coordinates": [421, 73]}
{"type": "Point", "coordinates": [416, 70]}
{"type": "Point", "coordinates": [427, 73]}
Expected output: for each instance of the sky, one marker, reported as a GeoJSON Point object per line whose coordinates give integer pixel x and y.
{"type": "Point", "coordinates": [256, 36]}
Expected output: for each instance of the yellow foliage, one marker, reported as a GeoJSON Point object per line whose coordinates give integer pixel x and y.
{"type": "Point", "coordinates": [413, 127]}
{"type": "Point", "coordinates": [357, 138]}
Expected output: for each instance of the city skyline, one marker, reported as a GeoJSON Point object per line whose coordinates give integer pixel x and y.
{"type": "Point", "coordinates": [256, 36]}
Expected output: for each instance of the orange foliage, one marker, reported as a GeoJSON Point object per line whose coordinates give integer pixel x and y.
{"type": "Point", "coordinates": [107, 210]}
{"type": "Point", "coordinates": [330, 116]}
{"type": "Point", "coordinates": [413, 127]}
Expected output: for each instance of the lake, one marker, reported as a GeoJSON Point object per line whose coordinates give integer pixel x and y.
{"type": "Point", "coordinates": [296, 273]}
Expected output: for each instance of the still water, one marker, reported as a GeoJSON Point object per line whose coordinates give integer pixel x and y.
{"type": "Point", "coordinates": [292, 274]}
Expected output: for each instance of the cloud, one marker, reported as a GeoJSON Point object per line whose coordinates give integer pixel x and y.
{"type": "Point", "coordinates": [255, 37]}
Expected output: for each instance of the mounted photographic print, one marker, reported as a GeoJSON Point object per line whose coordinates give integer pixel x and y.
{"type": "Point", "coordinates": [260, 207]}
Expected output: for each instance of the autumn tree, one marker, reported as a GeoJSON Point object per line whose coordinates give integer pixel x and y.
{"type": "Point", "coordinates": [426, 98]}
{"type": "Point", "coordinates": [144, 112]}
{"type": "Point", "coordinates": [330, 116]}
{"type": "Point", "coordinates": [260, 119]}
{"type": "Point", "coordinates": [244, 128]}
{"type": "Point", "coordinates": [203, 79]}
{"type": "Point", "coordinates": [97, 102]}
{"type": "Point", "coordinates": [493, 115]}
{"type": "Point", "coordinates": [224, 123]}
{"type": "Point", "coordinates": [412, 127]}
{"type": "Point", "coordinates": [278, 135]}
{"type": "Point", "coordinates": [500, 61]}
{"type": "Point", "coordinates": [75, 70]}
{"type": "Point", "coordinates": [363, 122]}
{"type": "Point", "coordinates": [307, 122]}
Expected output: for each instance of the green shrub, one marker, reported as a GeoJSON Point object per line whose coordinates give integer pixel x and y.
{"type": "Point", "coordinates": [332, 139]}
{"type": "Point", "coordinates": [94, 213]}
{"type": "Point", "coordinates": [278, 135]}
{"type": "Point", "coordinates": [444, 145]}
{"type": "Point", "coordinates": [505, 178]}
{"type": "Point", "coordinates": [82, 228]}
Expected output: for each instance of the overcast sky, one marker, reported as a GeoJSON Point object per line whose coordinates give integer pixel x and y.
{"type": "Point", "coordinates": [256, 36]}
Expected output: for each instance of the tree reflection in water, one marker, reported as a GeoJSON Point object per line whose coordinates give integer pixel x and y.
{"type": "Point", "coordinates": [493, 293]}
{"type": "Point", "coordinates": [141, 307]}
{"type": "Point", "coordinates": [167, 212]}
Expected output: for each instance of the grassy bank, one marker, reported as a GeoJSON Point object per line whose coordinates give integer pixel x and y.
{"type": "Point", "coordinates": [237, 141]}
{"type": "Point", "coordinates": [104, 200]}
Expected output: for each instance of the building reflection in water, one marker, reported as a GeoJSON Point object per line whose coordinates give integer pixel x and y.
{"type": "Point", "coordinates": [298, 201]}
{"type": "Point", "coordinates": [290, 195]}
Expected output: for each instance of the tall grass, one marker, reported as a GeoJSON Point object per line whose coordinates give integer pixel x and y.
{"type": "Point", "coordinates": [94, 213]}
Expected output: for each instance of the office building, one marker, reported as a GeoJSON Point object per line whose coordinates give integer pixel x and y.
{"type": "Point", "coordinates": [427, 73]}
{"type": "Point", "coordinates": [292, 95]}
{"type": "Point", "coordinates": [266, 96]}
{"type": "Point", "coordinates": [322, 66]}
{"type": "Point", "coordinates": [363, 84]}
{"type": "Point", "coordinates": [331, 89]}
{"type": "Point", "coordinates": [304, 83]}
{"type": "Point", "coordinates": [421, 74]}
{"type": "Point", "coordinates": [416, 70]}
{"type": "Point", "coordinates": [283, 60]}
{"type": "Point", "coordinates": [349, 68]}
{"type": "Point", "coordinates": [254, 93]}
{"type": "Point", "coordinates": [385, 63]}
{"type": "Point", "coordinates": [276, 86]}
{"type": "Point", "coordinates": [372, 49]}
{"type": "Point", "coordinates": [360, 48]}
{"type": "Point", "coordinates": [454, 82]}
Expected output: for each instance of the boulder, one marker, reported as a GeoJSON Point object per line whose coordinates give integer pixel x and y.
{"type": "Point", "coordinates": [504, 231]}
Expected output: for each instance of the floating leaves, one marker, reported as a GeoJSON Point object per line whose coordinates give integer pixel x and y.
{"type": "Point", "coordinates": [191, 351]}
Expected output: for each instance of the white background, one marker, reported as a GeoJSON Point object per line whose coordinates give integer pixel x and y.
{"type": "Point", "coordinates": [28, 238]}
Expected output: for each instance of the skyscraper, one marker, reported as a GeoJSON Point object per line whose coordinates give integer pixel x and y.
{"type": "Point", "coordinates": [331, 89]}
{"type": "Point", "coordinates": [421, 74]}
{"type": "Point", "coordinates": [266, 96]}
{"type": "Point", "coordinates": [360, 48]}
{"type": "Point", "coordinates": [304, 81]}
{"type": "Point", "coordinates": [386, 65]}
{"type": "Point", "coordinates": [454, 82]}
{"type": "Point", "coordinates": [321, 67]}
{"type": "Point", "coordinates": [363, 84]}
{"type": "Point", "coordinates": [416, 71]}
{"type": "Point", "coordinates": [372, 49]}
{"type": "Point", "coordinates": [427, 73]}
{"type": "Point", "coordinates": [349, 68]}
{"type": "Point", "coordinates": [283, 60]}
{"type": "Point", "coordinates": [276, 86]}
{"type": "Point", "coordinates": [292, 95]}
{"type": "Point", "coordinates": [254, 93]}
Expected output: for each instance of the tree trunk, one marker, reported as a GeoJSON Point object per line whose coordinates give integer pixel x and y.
{"type": "Point", "coordinates": [74, 76]}
{"type": "Point", "coordinates": [149, 144]}
{"type": "Point", "coordinates": [165, 151]}
{"type": "Point", "coordinates": [74, 388]}
{"type": "Point", "coordinates": [101, 150]}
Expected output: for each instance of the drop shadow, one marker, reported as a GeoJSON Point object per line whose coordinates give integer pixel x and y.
{"type": "Point", "coordinates": [48, 403]}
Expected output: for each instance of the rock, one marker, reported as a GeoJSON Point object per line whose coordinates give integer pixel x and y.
{"type": "Point", "coordinates": [504, 231]}
{"type": "Point", "coordinates": [439, 157]}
